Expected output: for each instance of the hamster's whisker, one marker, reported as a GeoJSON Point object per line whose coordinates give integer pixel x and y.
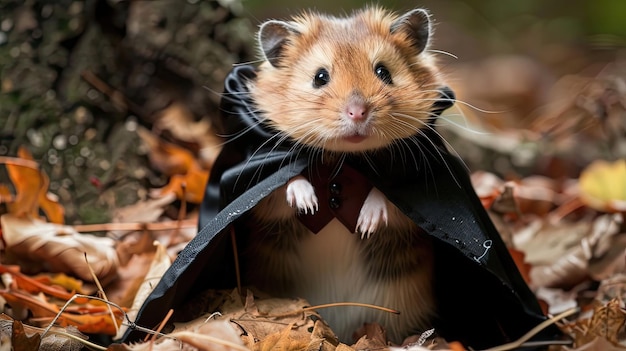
{"type": "Point", "coordinates": [421, 132]}
{"type": "Point", "coordinates": [443, 53]}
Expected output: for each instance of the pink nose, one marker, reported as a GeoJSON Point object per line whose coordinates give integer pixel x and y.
{"type": "Point", "coordinates": [357, 111]}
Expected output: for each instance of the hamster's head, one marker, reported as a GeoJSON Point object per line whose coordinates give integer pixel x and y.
{"type": "Point", "coordinates": [348, 84]}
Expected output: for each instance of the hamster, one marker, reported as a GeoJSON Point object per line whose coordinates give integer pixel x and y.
{"type": "Point", "coordinates": [345, 85]}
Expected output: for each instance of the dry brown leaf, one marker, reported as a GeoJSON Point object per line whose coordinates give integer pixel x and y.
{"type": "Point", "coordinates": [322, 338]}
{"type": "Point", "coordinates": [27, 182]}
{"type": "Point", "coordinates": [180, 122]}
{"type": "Point", "coordinates": [597, 344]}
{"type": "Point", "coordinates": [27, 284]}
{"type": "Point", "coordinates": [160, 263]}
{"type": "Point", "coordinates": [88, 318]}
{"type": "Point", "coordinates": [488, 187]}
{"type": "Point", "coordinates": [61, 342]}
{"type": "Point", "coordinates": [32, 191]}
{"type": "Point", "coordinates": [209, 336]}
{"type": "Point", "coordinates": [612, 287]}
{"type": "Point", "coordinates": [190, 186]}
{"type": "Point", "coordinates": [167, 158]}
{"type": "Point", "coordinates": [273, 315]}
{"type": "Point", "coordinates": [23, 342]}
{"type": "Point", "coordinates": [212, 336]}
{"type": "Point", "coordinates": [59, 248]}
{"type": "Point", "coordinates": [558, 300]}
{"type": "Point", "coordinates": [146, 211]}
{"type": "Point", "coordinates": [262, 320]}
{"type": "Point", "coordinates": [607, 321]}
{"type": "Point", "coordinates": [601, 245]}
{"type": "Point", "coordinates": [531, 195]}
{"type": "Point", "coordinates": [188, 176]}
{"type": "Point", "coordinates": [344, 347]}
{"type": "Point", "coordinates": [57, 340]}
{"type": "Point", "coordinates": [370, 335]}
{"type": "Point", "coordinates": [519, 258]}
{"type": "Point", "coordinates": [546, 247]}
{"type": "Point", "coordinates": [284, 340]}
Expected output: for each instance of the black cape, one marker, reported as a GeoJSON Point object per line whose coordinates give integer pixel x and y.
{"type": "Point", "coordinates": [482, 299]}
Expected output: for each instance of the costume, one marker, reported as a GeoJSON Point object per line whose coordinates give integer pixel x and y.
{"type": "Point", "coordinates": [482, 299]}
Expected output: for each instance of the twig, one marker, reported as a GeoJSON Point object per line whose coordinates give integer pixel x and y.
{"type": "Point", "coordinates": [335, 304]}
{"type": "Point", "coordinates": [161, 325]}
{"type": "Point", "coordinates": [188, 223]}
{"type": "Point", "coordinates": [519, 342]}
{"type": "Point", "coordinates": [101, 291]}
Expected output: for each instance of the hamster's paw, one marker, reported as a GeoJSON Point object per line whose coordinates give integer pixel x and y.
{"type": "Point", "coordinates": [301, 195]}
{"type": "Point", "coordinates": [373, 213]}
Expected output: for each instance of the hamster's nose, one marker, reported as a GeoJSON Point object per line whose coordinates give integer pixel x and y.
{"type": "Point", "coordinates": [357, 110]}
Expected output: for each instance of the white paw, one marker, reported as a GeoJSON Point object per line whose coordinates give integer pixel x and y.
{"type": "Point", "coordinates": [373, 213]}
{"type": "Point", "coordinates": [301, 195]}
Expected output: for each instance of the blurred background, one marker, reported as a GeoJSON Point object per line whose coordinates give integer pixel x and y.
{"type": "Point", "coordinates": [541, 84]}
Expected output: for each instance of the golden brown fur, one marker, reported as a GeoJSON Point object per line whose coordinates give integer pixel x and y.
{"type": "Point", "coordinates": [393, 267]}
{"type": "Point", "coordinates": [348, 48]}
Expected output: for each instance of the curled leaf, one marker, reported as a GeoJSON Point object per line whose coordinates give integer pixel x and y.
{"type": "Point", "coordinates": [59, 248]}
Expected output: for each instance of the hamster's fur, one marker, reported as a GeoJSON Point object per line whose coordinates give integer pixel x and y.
{"type": "Point", "coordinates": [339, 86]}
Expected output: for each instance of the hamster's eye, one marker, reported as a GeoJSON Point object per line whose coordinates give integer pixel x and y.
{"type": "Point", "coordinates": [321, 78]}
{"type": "Point", "coordinates": [383, 73]}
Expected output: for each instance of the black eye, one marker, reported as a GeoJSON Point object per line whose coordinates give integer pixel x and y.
{"type": "Point", "coordinates": [321, 78]}
{"type": "Point", "coordinates": [383, 73]}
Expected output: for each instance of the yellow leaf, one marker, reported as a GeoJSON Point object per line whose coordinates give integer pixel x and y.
{"type": "Point", "coordinates": [603, 186]}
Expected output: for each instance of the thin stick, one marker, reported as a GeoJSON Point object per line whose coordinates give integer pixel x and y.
{"type": "Point", "coordinates": [188, 223]}
{"type": "Point", "coordinates": [519, 342]}
{"type": "Point", "coordinates": [101, 291]}
{"type": "Point", "coordinates": [161, 326]}
{"type": "Point", "coordinates": [335, 304]}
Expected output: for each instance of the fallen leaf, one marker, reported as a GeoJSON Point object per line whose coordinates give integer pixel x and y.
{"type": "Point", "coordinates": [27, 182]}
{"type": "Point", "coordinates": [603, 186]}
{"type": "Point", "coordinates": [212, 336]}
{"type": "Point", "coordinates": [597, 344]}
{"type": "Point", "coordinates": [190, 186]}
{"type": "Point", "coordinates": [524, 267]}
{"type": "Point", "coordinates": [33, 286]}
{"type": "Point", "coordinates": [62, 280]}
{"type": "Point", "coordinates": [283, 340]}
{"type": "Point", "coordinates": [597, 254]}
{"type": "Point", "coordinates": [370, 336]}
{"type": "Point", "coordinates": [59, 248]}
{"type": "Point", "coordinates": [58, 339]}
{"type": "Point", "coordinates": [88, 319]}
{"type": "Point", "coordinates": [180, 122]}
{"type": "Point", "coordinates": [188, 177]}
{"type": "Point", "coordinates": [22, 342]}
{"type": "Point", "coordinates": [607, 321]}
{"type": "Point", "coordinates": [166, 157]}
{"type": "Point", "coordinates": [31, 186]}
{"type": "Point", "coordinates": [160, 263]}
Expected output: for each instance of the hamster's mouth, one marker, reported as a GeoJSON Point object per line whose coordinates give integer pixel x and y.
{"type": "Point", "coordinates": [354, 138]}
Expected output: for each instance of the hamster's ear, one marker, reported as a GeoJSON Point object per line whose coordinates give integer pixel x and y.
{"type": "Point", "coordinates": [416, 25]}
{"type": "Point", "coordinates": [273, 36]}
